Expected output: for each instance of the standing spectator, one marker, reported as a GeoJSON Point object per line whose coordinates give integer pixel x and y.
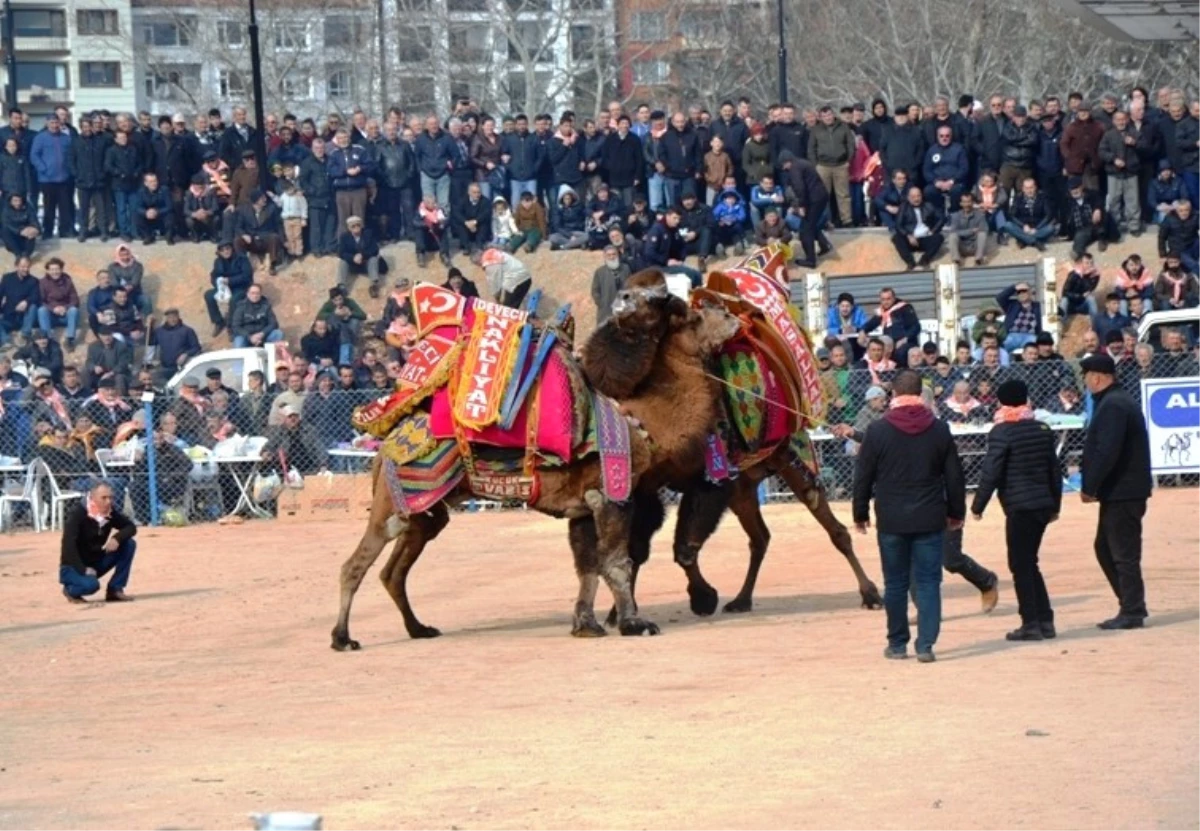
{"type": "Point", "coordinates": [151, 208]}
{"type": "Point", "coordinates": [244, 180]}
{"type": "Point", "coordinates": [902, 147]}
{"type": "Point", "coordinates": [522, 153]}
{"type": "Point", "coordinates": [358, 253]}
{"type": "Point", "coordinates": [1030, 222]}
{"type": "Point", "coordinates": [86, 162]}
{"type": "Point", "coordinates": [1181, 140]}
{"type": "Point", "coordinates": [607, 282]}
{"type": "Point", "coordinates": [946, 168]}
{"type": "Point", "coordinates": [1022, 315]}
{"type": "Point", "coordinates": [123, 165]}
{"type": "Point", "coordinates": [564, 152]}
{"type": "Point", "coordinates": [231, 275]}
{"type": "Point", "coordinates": [1116, 473]}
{"type": "Point", "coordinates": [293, 210]}
{"type": "Point", "coordinates": [622, 160]}
{"type": "Point", "coordinates": [1178, 233]}
{"type": "Point", "coordinates": [1022, 466]}
{"type": "Point", "coordinates": [348, 166]}
{"type": "Point", "coordinates": [717, 168]}
{"type": "Point", "coordinates": [19, 225]}
{"type": "Point", "coordinates": [257, 230]}
{"type": "Point", "coordinates": [19, 298]}
{"type": "Point", "coordinates": [1049, 166]}
{"type": "Point", "coordinates": [485, 157]}
{"type": "Point", "coordinates": [254, 322]}
{"type": "Point", "coordinates": [434, 155]}
{"type": "Point", "coordinates": [432, 233]}
{"type": "Point", "coordinates": [1019, 146]}
{"type": "Point", "coordinates": [809, 206]}
{"type": "Point", "coordinates": [59, 304]}
{"type": "Point", "coordinates": [1086, 220]}
{"type": "Point", "coordinates": [1080, 147]}
{"type": "Point", "coordinates": [756, 157]}
{"type": "Point", "coordinates": [320, 345]}
{"type": "Point", "coordinates": [968, 233]}
{"type": "Point", "coordinates": [1079, 289]}
{"type": "Point", "coordinates": [909, 463]}
{"type": "Point", "coordinates": [918, 228]}
{"type": "Point", "coordinates": [1176, 287]}
{"type": "Point", "coordinates": [830, 149]}
{"type": "Point", "coordinates": [322, 218]}
{"type": "Point", "coordinates": [15, 170]}
{"type": "Point", "coordinates": [50, 157]}
{"type": "Point", "coordinates": [462, 172]}
{"type": "Point", "coordinates": [236, 139]}
{"type": "Point", "coordinates": [396, 166]}
{"type": "Point", "coordinates": [1118, 152]}
{"type": "Point", "coordinates": [174, 342]}
{"type": "Point", "coordinates": [786, 133]}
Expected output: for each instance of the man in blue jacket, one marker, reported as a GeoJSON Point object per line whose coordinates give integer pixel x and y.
{"type": "Point", "coordinates": [521, 153]}
{"type": "Point", "coordinates": [152, 213]}
{"type": "Point", "coordinates": [238, 274]}
{"type": "Point", "coordinates": [665, 247]}
{"type": "Point", "coordinates": [349, 166]}
{"type": "Point", "coordinates": [435, 155]}
{"type": "Point", "coordinates": [19, 296]}
{"type": "Point", "coordinates": [946, 168]}
{"type": "Point", "coordinates": [50, 156]}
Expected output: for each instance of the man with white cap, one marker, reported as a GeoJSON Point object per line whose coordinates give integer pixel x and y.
{"type": "Point", "coordinates": [294, 445]}
{"type": "Point", "coordinates": [358, 253]}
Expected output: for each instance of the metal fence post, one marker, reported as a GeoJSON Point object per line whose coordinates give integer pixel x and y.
{"type": "Point", "coordinates": [152, 482]}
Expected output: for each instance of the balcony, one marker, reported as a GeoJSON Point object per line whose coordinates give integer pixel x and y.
{"type": "Point", "coordinates": [40, 44]}
{"type": "Point", "coordinates": [37, 95]}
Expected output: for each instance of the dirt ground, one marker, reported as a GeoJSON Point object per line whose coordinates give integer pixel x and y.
{"type": "Point", "coordinates": [216, 693]}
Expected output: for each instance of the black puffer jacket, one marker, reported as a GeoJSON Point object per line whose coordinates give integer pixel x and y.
{"type": "Point", "coordinates": [86, 160]}
{"type": "Point", "coordinates": [1020, 145]}
{"type": "Point", "coordinates": [1021, 466]}
{"type": "Point", "coordinates": [1116, 450]}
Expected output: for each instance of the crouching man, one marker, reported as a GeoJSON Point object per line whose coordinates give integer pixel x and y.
{"type": "Point", "coordinates": [97, 539]}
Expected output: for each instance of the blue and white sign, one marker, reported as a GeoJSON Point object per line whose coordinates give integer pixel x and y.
{"type": "Point", "coordinates": [1172, 410]}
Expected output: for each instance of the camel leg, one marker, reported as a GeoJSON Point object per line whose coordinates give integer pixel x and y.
{"type": "Point", "coordinates": [582, 536]}
{"type": "Point", "coordinates": [420, 530]}
{"type": "Point", "coordinates": [745, 507]}
{"type": "Point", "coordinates": [355, 568]}
{"type": "Point", "coordinates": [612, 527]}
{"type": "Point", "coordinates": [814, 499]}
{"type": "Point", "coordinates": [648, 517]}
{"type": "Point", "coordinates": [700, 512]}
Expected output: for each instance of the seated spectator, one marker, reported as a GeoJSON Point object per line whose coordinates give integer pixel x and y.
{"type": "Point", "coordinates": [989, 341]}
{"type": "Point", "coordinates": [888, 201]}
{"type": "Point", "coordinates": [766, 195]}
{"type": "Point", "coordinates": [1135, 308]}
{"type": "Point", "coordinates": [606, 202]}
{"type": "Point", "coordinates": [1078, 290]}
{"type": "Point", "coordinates": [943, 378]}
{"type": "Point", "coordinates": [696, 228]}
{"type": "Point", "coordinates": [99, 300]}
{"type": "Point", "coordinates": [257, 230]}
{"type": "Point", "coordinates": [295, 441]}
{"type": "Point", "coordinates": [1176, 287]}
{"type": "Point", "coordinates": [1110, 319]}
{"type": "Point", "coordinates": [918, 228]}
{"type": "Point", "coordinates": [844, 321]}
{"type": "Point", "coordinates": [254, 406]}
{"type": "Point", "coordinates": [987, 321]}
{"type": "Point", "coordinates": [254, 322]}
{"type": "Point", "coordinates": [530, 220]}
{"type": "Point", "coordinates": [1133, 276]}
{"type": "Point", "coordinates": [1165, 191]}
{"type": "Point", "coordinates": [1179, 233]}
{"type": "Point", "coordinates": [471, 220]}
{"type": "Point", "coordinates": [1176, 360]}
{"type": "Point", "coordinates": [20, 294]}
{"type": "Point", "coordinates": [599, 222]}
{"type": "Point", "coordinates": [772, 228]}
{"type": "Point", "coordinates": [126, 272]}
{"type": "Point", "coordinates": [19, 225]}
{"type": "Point", "coordinates": [665, 248]}
{"type": "Point", "coordinates": [1029, 220]}
{"type": "Point", "coordinates": [1022, 315]}
{"type": "Point", "coordinates": [1086, 220]}
{"type": "Point", "coordinates": [457, 283]}
{"type": "Point", "coordinates": [74, 389]}
{"type": "Point", "coordinates": [345, 318]}
{"type": "Point", "coordinates": [505, 233]}
{"type": "Point", "coordinates": [152, 212]}
{"type": "Point", "coordinates": [231, 276]}
{"type": "Point", "coordinates": [963, 408]}
{"type": "Point", "coordinates": [607, 281]}
{"type": "Point", "coordinates": [729, 213]}
{"type": "Point", "coordinates": [108, 357]}
{"type": "Point", "coordinates": [401, 335]}
{"type": "Point", "coordinates": [508, 279]}
{"type": "Point", "coordinates": [358, 253]}
{"type": "Point", "coordinates": [320, 345]}
{"type": "Point", "coordinates": [400, 298]}
{"type": "Point", "coordinates": [567, 223]}
{"type": "Point", "coordinates": [968, 233]}
{"type": "Point", "coordinates": [43, 353]}
{"type": "Point", "coordinates": [216, 174]}
{"type": "Point", "coordinates": [639, 219]}
{"type": "Point", "coordinates": [324, 409]}
{"type": "Point", "coordinates": [992, 199]}
{"type": "Point", "coordinates": [1066, 401]}
{"type": "Point", "coordinates": [876, 362]}
{"type": "Point", "coordinates": [430, 231]}
{"type": "Point", "coordinates": [59, 301]}
{"type": "Point", "coordinates": [174, 343]}
{"type": "Point", "coordinates": [202, 212]}
{"type": "Point", "coordinates": [128, 325]}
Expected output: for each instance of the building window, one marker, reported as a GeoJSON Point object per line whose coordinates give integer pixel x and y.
{"type": "Point", "coordinates": [231, 32]}
{"type": "Point", "coordinates": [650, 72]}
{"type": "Point", "coordinates": [231, 84]}
{"type": "Point", "coordinates": [43, 75]}
{"type": "Point", "coordinates": [466, 5]}
{"type": "Point", "coordinates": [415, 44]}
{"type": "Point", "coordinates": [701, 26]}
{"type": "Point", "coordinates": [169, 33]}
{"type": "Point", "coordinates": [96, 22]}
{"type": "Point", "coordinates": [587, 5]}
{"type": "Point", "coordinates": [38, 23]}
{"type": "Point", "coordinates": [649, 27]}
{"type": "Point", "coordinates": [295, 86]}
{"type": "Point", "coordinates": [470, 44]}
{"type": "Point", "coordinates": [341, 83]}
{"type": "Point", "coordinates": [344, 33]}
{"type": "Point", "coordinates": [527, 42]}
{"type": "Point", "coordinates": [170, 83]}
{"type": "Point", "coordinates": [292, 36]}
{"type": "Point", "coordinates": [419, 92]}
{"type": "Point", "coordinates": [99, 73]}
{"type": "Point", "coordinates": [583, 43]}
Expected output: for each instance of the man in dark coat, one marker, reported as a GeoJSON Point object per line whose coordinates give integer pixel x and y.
{"type": "Point", "coordinates": [810, 202]}
{"type": "Point", "coordinates": [1022, 466]}
{"type": "Point", "coordinates": [902, 147]}
{"type": "Point", "coordinates": [97, 538]}
{"type": "Point", "coordinates": [1116, 473]}
{"type": "Point", "coordinates": [909, 463]}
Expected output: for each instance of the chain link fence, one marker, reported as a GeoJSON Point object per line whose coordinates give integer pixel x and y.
{"type": "Point", "coordinates": [224, 453]}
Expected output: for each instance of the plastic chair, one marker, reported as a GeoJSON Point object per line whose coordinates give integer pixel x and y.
{"type": "Point", "coordinates": [207, 487]}
{"type": "Point", "coordinates": [58, 497]}
{"type": "Point", "coordinates": [966, 324]}
{"type": "Point", "coordinates": [29, 494]}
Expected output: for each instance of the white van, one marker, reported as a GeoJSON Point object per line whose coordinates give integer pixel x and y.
{"type": "Point", "coordinates": [235, 365]}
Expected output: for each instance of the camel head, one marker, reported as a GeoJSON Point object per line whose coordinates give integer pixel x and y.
{"type": "Point", "coordinates": [645, 309]}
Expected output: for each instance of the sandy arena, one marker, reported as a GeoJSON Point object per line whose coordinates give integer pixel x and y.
{"type": "Point", "coordinates": [216, 693]}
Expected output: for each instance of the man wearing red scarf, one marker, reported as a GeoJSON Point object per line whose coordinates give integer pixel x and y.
{"type": "Point", "coordinates": [97, 538]}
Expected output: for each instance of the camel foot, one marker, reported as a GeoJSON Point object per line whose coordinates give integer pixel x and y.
{"type": "Point", "coordinates": [638, 626]}
{"type": "Point", "coordinates": [739, 605]}
{"type": "Point", "coordinates": [871, 599]}
{"type": "Point", "coordinates": [587, 628]}
{"type": "Point", "coordinates": [704, 599]}
{"type": "Point", "coordinates": [344, 643]}
{"type": "Point", "coordinates": [420, 630]}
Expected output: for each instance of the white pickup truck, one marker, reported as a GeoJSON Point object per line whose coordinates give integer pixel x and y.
{"type": "Point", "coordinates": [235, 365]}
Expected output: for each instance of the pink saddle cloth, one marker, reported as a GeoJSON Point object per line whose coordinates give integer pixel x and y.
{"type": "Point", "coordinates": [555, 415]}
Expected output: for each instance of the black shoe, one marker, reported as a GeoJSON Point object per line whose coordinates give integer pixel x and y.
{"type": "Point", "coordinates": [893, 654]}
{"type": "Point", "coordinates": [1048, 631]}
{"type": "Point", "coordinates": [1039, 245]}
{"type": "Point", "coordinates": [1021, 246]}
{"type": "Point", "coordinates": [373, 291]}
{"type": "Point", "coordinates": [926, 657]}
{"type": "Point", "coordinates": [445, 258]}
{"type": "Point", "coordinates": [910, 266]}
{"type": "Point", "coordinates": [822, 250]}
{"type": "Point", "coordinates": [1028, 632]}
{"type": "Point", "coordinates": [806, 263]}
{"type": "Point", "coordinates": [218, 328]}
{"type": "Point", "coordinates": [170, 239]}
{"type": "Point", "coordinates": [1103, 245]}
{"type": "Point", "coordinates": [126, 238]}
{"type": "Point", "coordinates": [82, 238]}
{"type": "Point", "coordinates": [104, 237]}
{"type": "Point", "coordinates": [1122, 622]}
{"type": "Point", "coordinates": [148, 241]}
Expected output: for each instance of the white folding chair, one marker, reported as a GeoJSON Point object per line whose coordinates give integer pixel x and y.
{"type": "Point", "coordinates": [58, 497]}
{"type": "Point", "coordinates": [29, 495]}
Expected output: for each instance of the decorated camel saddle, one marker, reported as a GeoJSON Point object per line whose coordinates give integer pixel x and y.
{"type": "Point", "coordinates": [771, 380]}
{"type": "Point", "coordinates": [488, 397]}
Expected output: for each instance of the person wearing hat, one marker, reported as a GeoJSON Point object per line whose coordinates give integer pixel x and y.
{"type": "Point", "coordinates": [244, 180]}
{"type": "Point", "coordinates": [107, 356]}
{"type": "Point", "coordinates": [1164, 192]}
{"type": "Point", "coordinates": [1116, 474]}
{"type": "Point", "coordinates": [1021, 466]}
{"type": "Point", "coordinates": [358, 253]}
{"type": "Point", "coordinates": [201, 210]}
{"type": "Point", "coordinates": [42, 352]}
{"type": "Point", "coordinates": [231, 274]}
{"type": "Point", "coordinates": [258, 229]}
{"type": "Point", "coordinates": [1122, 168]}
{"type": "Point", "coordinates": [152, 212]}
{"type": "Point", "coordinates": [1180, 233]}
{"type": "Point", "coordinates": [214, 383]}
{"type": "Point", "coordinates": [756, 161]}
{"type": "Point", "coordinates": [1018, 151]}
{"type": "Point", "coordinates": [173, 343]}
{"type": "Point", "coordinates": [1086, 221]}
{"type": "Point", "coordinates": [345, 319]}
{"type": "Point", "coordinates": [293, 444]}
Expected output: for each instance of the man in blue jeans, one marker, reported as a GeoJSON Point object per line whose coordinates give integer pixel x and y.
{"type": "Point", "coordinates": [97, 538]}
{"type": "Point", "coordinates": [908, 461]}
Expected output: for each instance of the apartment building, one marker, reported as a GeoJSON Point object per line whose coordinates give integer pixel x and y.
{"type": "Point", "coordinates": [76, 53]}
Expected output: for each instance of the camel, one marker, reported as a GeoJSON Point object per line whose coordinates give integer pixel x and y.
{"type": "Point", "coordinates": [673, 342]}
{"type": "Point", "coordinates": [702, 503]}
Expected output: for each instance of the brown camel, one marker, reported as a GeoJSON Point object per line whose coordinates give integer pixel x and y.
{"type": "Point", "coordinates": [664, 331]}
{"type": "Point", "coordinates": [702, 504]}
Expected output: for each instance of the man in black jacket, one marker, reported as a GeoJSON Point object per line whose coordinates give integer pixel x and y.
{"type": "Point", "coordinates": [86, 162]}
{"type": "Point", "coordinates": [97, 538]}
{"type": "Point", "coordinates": [1022, 466]}
{"type": "Point", "coordinates": [809, 203]}
{"type": "Point", "coordinates": [902, 147]}
{"type": "Point", "coordinates": [1116, 473]}
{"type": "Point", "coordinates": [1086, 219]}
{"type": "Point", "coordinates": [918, 228]}
{"type": "Point", "coordinates": [908, 461]}
{"type": "Point", "coordinates": [681, 156]}
{"type": "Point", "coordinates": [358, 253]}
{"type": "Point", "coordinates": [623, 162]}
{"type": "Point", "coordinates": [322, 217]}
{"type": "Point", "coordinates": [1177, 233]}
